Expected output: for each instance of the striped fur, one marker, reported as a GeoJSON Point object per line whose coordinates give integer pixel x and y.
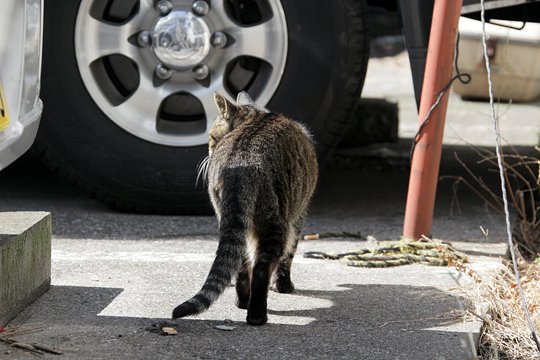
{"type": "Point", "coordinates": [262, 171]}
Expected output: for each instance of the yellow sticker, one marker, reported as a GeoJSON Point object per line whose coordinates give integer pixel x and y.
{"type": "Point", "coordinates": [4, 118]}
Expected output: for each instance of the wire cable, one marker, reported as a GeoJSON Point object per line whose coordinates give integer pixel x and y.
{"type": "Point", "coordinates": [463, 78]}
{"type": "Point", "coordinates": [503, 181]}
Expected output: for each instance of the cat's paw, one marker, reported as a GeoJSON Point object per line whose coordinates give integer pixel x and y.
{"type": "Point", "coordinates": [257, 319]}
{"type": "Point", "coordinates": [241, 304]}
{"type": "Point", "coordinates": [283, 286]}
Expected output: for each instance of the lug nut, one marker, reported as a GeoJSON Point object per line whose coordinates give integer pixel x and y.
{"type": "Point", "coordinates": [165, 40]}
{"type": "Point", "coordinates": [163, 72]}
{"type": "Point", "coordinates": [201, 72]}
{"type": "Point", "coordinates": [219, 39]}
{"type": "Point", "coordinates": [164, 7]}
{"type": "Point", "coordinates": [144, 39]}
{"type": "Point", "coordinates": [200, 7]}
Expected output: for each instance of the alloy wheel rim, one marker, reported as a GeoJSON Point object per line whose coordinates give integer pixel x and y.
{"type": "Point", "coordinates": [153, 68]}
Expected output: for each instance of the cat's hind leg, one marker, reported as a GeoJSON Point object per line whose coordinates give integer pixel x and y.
{"type": "Point", "coordinates": [268, 254]}
{"type": "Point", "coordinates": [281, 279]}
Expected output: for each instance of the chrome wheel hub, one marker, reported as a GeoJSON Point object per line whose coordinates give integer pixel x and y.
{"type": "Point", "coordinates": [181, 40]}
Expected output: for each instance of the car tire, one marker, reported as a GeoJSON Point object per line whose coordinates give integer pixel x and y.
{"type": "Point", "coordinates": [321, 81]}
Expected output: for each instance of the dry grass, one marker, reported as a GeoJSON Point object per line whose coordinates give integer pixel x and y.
{"type": "Point", "coordinates": [522, 175]}
{"type": "Point", "coordinates": [506, 334]}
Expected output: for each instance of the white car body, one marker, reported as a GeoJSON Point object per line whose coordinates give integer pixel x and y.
{"type": "Point", "coordinates": [20, 68]}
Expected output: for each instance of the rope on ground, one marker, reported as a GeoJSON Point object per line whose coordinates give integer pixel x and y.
{"type": "Point", "coordinates": [396, 253]}
{"type": "Point", "coordinates": [503, 181]}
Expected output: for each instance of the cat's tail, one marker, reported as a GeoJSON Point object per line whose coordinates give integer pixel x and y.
{"type": "Point", "coordinates": [227, 264]}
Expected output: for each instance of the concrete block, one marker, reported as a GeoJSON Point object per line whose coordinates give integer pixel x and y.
{"type": "Point", "coordinates": [25, 260]}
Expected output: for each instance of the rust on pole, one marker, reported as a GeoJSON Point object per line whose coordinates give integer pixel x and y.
{"type": "Point", "coordinates": [427, 152]}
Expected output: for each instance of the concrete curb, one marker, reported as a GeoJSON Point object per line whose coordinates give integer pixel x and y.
{"type": "Point", "coordinates": [25, 260]}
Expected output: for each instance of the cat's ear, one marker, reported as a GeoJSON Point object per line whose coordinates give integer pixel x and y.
{"type": "Point", "coordinates": [243, 99]}
{"type": "Point", "coordinates": [225, 107]}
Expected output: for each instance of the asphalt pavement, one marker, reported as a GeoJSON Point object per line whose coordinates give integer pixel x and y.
{"type": "Point", "coordinates": [116, 276]}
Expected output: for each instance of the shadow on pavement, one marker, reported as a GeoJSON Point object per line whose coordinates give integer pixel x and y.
{"type": "Point", "coordinates": [367, 195]}
{"type": "Point", "coordinates": [363, 322]}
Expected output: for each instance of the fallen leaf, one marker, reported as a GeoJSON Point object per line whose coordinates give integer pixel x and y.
{"type": "Point", "coordinates": [225, 327]}
{"type": "Point", "coordinates": [168, 331]}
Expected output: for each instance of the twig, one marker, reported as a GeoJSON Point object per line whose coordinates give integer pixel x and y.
{"type": "Point", "coordinates": [20, 345]}
{"type": "Point", "coordinates": [47, 349]}
{"type": "Point", "coordinates": [340, 234]}
{"type": "Point", "coordinates": [16, 331]}
{"type": "Point", "coordinates": [27, 347]}
{"type": "Point", "coordinates": [38, 349]}
{"type": "Point", "coordinates": [441, 317]}
{"type": "Point", "coordinates": [479, 180]}
{"type": "Point", "coordinates": [491, 159]}
{"type": "Point", "coordinates": [461, 179]}
{"type": "Point", "coordinates": [455, 199]}
{"type": "Point", "coordinates": [518, 175]}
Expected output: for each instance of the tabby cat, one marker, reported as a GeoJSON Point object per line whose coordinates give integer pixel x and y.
{"type": "Point", "coordinates": [262, 171]}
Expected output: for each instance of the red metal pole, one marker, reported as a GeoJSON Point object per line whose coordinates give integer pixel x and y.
{"type": "Point", "coordinates": [427, 153]}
